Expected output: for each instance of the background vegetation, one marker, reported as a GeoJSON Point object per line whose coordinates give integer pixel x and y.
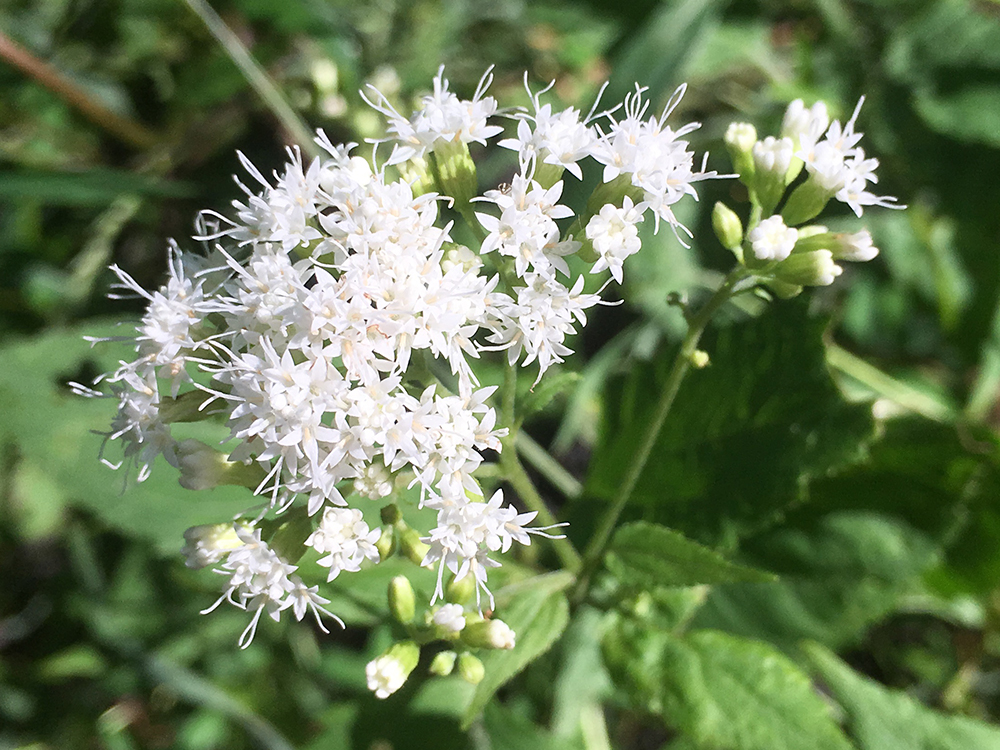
{"type": "Point", "coordinates": [847, 442]}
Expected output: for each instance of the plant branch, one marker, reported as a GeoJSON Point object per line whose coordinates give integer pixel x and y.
{"type": "Point", "coordinates": [256, 76]}
{"type": "Point", "coordinates": [124, 129]}
{"type": "Point", "coordinates": [542, 461]}
{"type": "Point", "coordinates": [682, 362]}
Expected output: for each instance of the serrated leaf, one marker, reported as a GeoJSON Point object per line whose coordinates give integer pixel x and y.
{"type": "Point", "coordinates": [883, 719]}
{"type": "Point", "coordinates": [836, 576]}
{"type": "Point", "coordinates": [740, 694]}
{"type": "Point", "coordinates": [745, 435]}
{"type": "Point", "coordinates": [538, 613]}
{"type": "Point", "coordinates": [722, 691]}
{"type": "Point", "coordinates": [649, 555]}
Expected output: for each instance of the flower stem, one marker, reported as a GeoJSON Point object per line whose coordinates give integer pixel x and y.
{"type": "Point", "coordinates": [256, 76]}
{"type": "Point", "coordinates": [696, 326]}
{"type": "Point", "coordinates": [514, 472]}
{"type": "Point", "coordinates": [539, 459]}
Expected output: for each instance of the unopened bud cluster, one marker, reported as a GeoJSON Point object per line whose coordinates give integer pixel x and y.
{"type": "Point", "coordinates": [334, 319]}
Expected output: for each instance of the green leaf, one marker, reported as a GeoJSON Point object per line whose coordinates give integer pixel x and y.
{"type": "Point", "coordinates": [745, 435]}
{"type": "Point", "coordinates": [723, 691]}
{"type": "Point", "coordinates": [883, 719]}
{"type": "Point", "coordinates": [538, 613]}
{"type": "Point", "coordinates": [837, 576]}
{"type": "Point", "coordinates": [510, 730]}
{"type": "Point", "coordinates": [648, 555]}
{"type": "Point", "coordinates": [95, 187]}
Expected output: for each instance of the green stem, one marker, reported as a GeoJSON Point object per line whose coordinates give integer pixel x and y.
{"type": "Point", "coordinates": [602, 536]}
{"type": "Point", "coordinates": [514, 472]}
{"type": "Point", "coordinates": [542, 461]}
{"type": "Point", "coordinates": [256, 76]}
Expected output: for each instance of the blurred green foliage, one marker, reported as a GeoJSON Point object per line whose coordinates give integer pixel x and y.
{"type": "Point", "coordinates": [883, 531]}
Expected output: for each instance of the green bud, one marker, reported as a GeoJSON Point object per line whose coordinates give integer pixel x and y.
{"type": "Point", "coordinates": [488, 634]}
{"type": "Point", "coordinates": [443, 663]}
{"type": "Point", "coordinates": [547, 175]}
{"type": "Point", "coordinates": [613, 192]}
{"type": "Point", "coordinates": [456, 172]}
{"type": "Point", "coordinates": [402, 602]}
{"type": "Point", "coordinates": [728, 228]}
{"type": "Point", "coordinates": [739, 138]}
{"type": "Point", "coordinates": [205, 545]}
{"type": "Point", "coordinates": [805, 203]}
{"type": "Point", "coordinates": [699, 359]}
{"type": "Point", "coordinates": [203, 467]}
{"type": "Point", "coordinates": [470, 668]}
{"type": "Point", "coordinates": [813, 268]}
{"type": "Point", "coordinates": [411, 546]}
{"type": "Point", "coordinates": [386, 544]}
{"type": "Point", "coordinates": [782, 289]}
{"type": "Point", "coordinates": [418, 173]}
{"type": "Point", "coordinates": [460, 591]}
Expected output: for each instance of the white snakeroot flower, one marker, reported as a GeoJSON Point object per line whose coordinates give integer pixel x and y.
{"type": "Point", "coordinates": [772, 240]}
{"type": "Point", "coordinates": [653, 155]}
{"type": "Point", "coordinates": [467, 531]}
{"type": "Point", "coordinates": [442, 118]}
{"type": "Point", "coordinates": [344, 540]}
{"type": "Point", "coordinates": [260, 581]}
{"type": "Point", "coordinates": [614, 233]}
{"type": "Point", "coordinates": [838, 165]}
{"type": "Point", "coordinates": [450, 617]}
{"type": "Point", "coordinates": [526, 229]}
{"type": "Point", "coordinates": [541, 318]}
{"type": "Point", "coordinates": [773, 155]}
{"type": "Point", "coordinates": [560, 138]}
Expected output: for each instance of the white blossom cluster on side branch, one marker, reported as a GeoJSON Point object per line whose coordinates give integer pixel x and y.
{"type": "Point", "coordinates": [335, 318]}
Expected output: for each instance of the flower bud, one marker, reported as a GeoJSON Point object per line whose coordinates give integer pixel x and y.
{"type": "Point", "coordinates": [417, 172]}
{"type": "Point", "coordinates": [386, 544]}
{"type": "Point", "coordinates": [388, 673]}
{"type": "Point", "coordinates": [806, 202]}
{"type": "Point", "coordinates": [411, 546]}
{"type": "Point", "coordinates": [206, 545]}
{"type": "Point", "coordinates": [699, 359]}
{"type": "Point", "coordinates": [461, 590]}
{"type": "Point", "coordinates": [814, 268]}
{"type": "Point", "coordinates": [449, 619]}
{"type": "Point", "coordinates": [782, 289]}
{"type": "Point", "coordinates": [854, 247]}
{"type": "Point", "coordinates": [772, 159]}
{"type": "Point", "coordinates": [740, 138]}
{"type": "Point", "coordinates": [202, 467]}
{"type": "Point", "coordinates": [456, 172]}
{"type": "Point", "coordinates": [443, 663]}
{"type": "Point", "coordinates": [402, 602]}
{"type": "Point", "coordinates": [728, 227]}
{"type": "Point", "coordinates": [470, 668]}
{"type": "Point", "coordinates": [488, 634]}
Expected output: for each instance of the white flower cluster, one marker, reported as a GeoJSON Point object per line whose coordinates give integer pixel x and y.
{"type": "Point", "coordinates": [834, 160]}
{"type": "Point", "coordinates": [334, 323]}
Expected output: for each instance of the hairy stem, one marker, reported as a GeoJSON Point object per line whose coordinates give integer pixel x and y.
{"type": "Point", "coordinates": [682, 362]}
